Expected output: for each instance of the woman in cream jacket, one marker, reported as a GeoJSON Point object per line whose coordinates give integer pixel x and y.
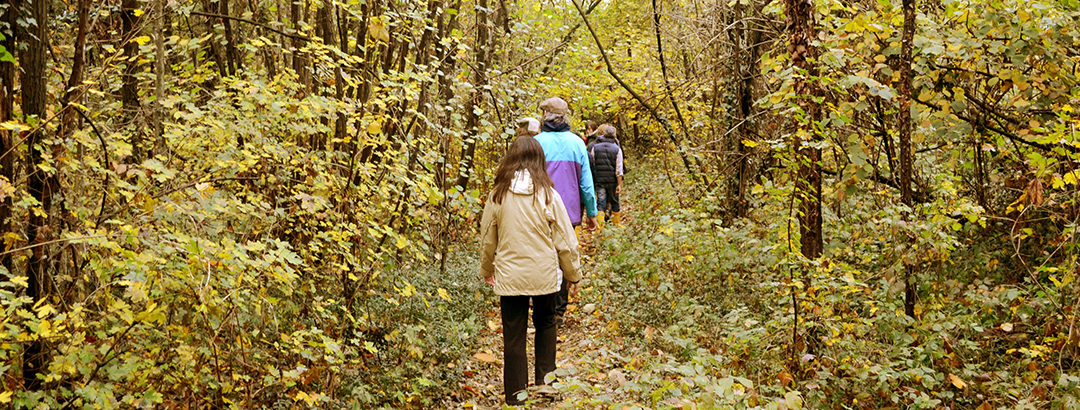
{"type": "Point", "coordinates": [527, 248]}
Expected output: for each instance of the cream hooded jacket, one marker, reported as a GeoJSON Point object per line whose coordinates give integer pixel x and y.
{"type": "Point", "coordinates": [526, 240]}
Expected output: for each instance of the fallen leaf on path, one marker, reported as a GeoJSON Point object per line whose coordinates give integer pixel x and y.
{"type": "Point", "coordinates": [589, 308]}
{"type": "Point", "coordinates": [471, 390]}
{"type": "Point", "coordinates": [785, 377]}
{"type": "Point", "coordinates": [485, 357]}
{"type": "Point", "coordinates": [956, 381]}
{"type": "Point", "coordinates": [617, 376]}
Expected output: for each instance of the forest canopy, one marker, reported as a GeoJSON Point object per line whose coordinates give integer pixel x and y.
{"type": "Point", "coordinates": [274, 203]}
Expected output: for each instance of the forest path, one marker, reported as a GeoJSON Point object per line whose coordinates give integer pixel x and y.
{"type": "Point", "coordinates": [591, 357]}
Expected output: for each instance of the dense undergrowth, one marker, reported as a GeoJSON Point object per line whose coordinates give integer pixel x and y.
{"type": "Point", "coordinates": [710, 308]}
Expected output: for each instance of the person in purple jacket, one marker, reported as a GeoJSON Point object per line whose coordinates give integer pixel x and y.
{"type": "Point", "coordinates": [568, 167]}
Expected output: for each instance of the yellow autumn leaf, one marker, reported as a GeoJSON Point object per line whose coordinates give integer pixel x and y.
{"type": "Point", "coordinates": [139, 12]}
{"type": "Point", "coordinates": [19, 280]}
{"type": "Point", "coordinates": [374, 128]}
{"type": "Point", "coordinates": [378, 30]}
{"type": "Point", "coordinates": [5, 397]}
{"type": "Point", "coordinates": [444, 295]}
{"type": "Point", "coordinates": [401, 242]}
{"type": "Point", "coordinates": [1057, 183]}
{"type": "Point", "coordinates": [45, 329]}
{"type": "Point", "coordinates": [310, 399]}
{"type": "Point", "coordinates": [142, 40]}
{"type": "Point", "coordinates": [749, 144]}
{"type": "Point", "coordinates": [1070, 178]}
{"type": "Point", "coordinates": [956, 381]}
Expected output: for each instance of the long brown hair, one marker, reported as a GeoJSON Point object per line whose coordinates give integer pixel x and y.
{"type": "Point", "coordinates": [524, 153]}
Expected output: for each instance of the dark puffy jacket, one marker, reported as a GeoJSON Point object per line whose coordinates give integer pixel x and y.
{"type": "Point", "coordinates": [604, 155]}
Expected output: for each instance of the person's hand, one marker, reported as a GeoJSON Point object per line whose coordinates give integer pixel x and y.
{"type": "Point", "coordinates": [490, 281]}
{"type": "Point", "coordinates": [618, 190]}
{"type": "Point", "coordinates": [590, 223]}
{"type": "Point", "coordinates": [572, 287]}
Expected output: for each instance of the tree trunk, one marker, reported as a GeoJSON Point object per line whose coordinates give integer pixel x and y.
{"type": "Point", "coordinates": [129, 91]}
{"type": "Point", "coordinates": [34, 99]}
{"type": "Point", "coordinates": [746, 61]}
{"type": "Point", "coordinates": [904, 130]}
{"type": "Point", "coordinates": [159, 73]}
{"type": "Point", "coordinates": [472, 119]}
{"type": "Point", "coordinates": [808, 186]}
{"type": "Point", "coordinates": [700, 174]}
{"type": "Point", "coordinates": [449, 55]}
{"type": "Point", "coordinates": [300, 63]}
{"type": "Point", "coordinates": [330, 38]}
{"type": "Point", "coordinates": [235, 62]}
{"type": "Point", "coordinates": [7, 111]}
{"type": "Point", "coordinates": [74, 84]}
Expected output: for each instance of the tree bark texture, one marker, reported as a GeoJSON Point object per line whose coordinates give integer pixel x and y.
{"type": "Point", "coordinates": [235, 61]}
{"type": "Point", "coordinates": [904, 126]}
{"type": "Point", "coordinates": [746, 39]}
{"type": "Point", "coordinates": [801, 28]}
{"type": "Point", "coordinates": [7, 111]}
{"type": "Point", "coordinates": [75, 80]}
{"type": "Point", "coordinates": [472, 119]}
{"type": "Point", "coordinates": [129, 90]}
{"type": "Point", "coordinates": [34, 99]}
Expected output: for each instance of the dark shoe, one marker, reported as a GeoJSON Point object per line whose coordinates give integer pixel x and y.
{"type": "Point", "coordinates": [512, 400]}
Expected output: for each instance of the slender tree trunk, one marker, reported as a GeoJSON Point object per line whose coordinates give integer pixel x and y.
{"type": "Point", "coordinates": [472, 119]}
{"type": "Point", "coordinates": [7, 111]}
{"type": "Point", "coordinates": [74, 84]}
{"type": "Point", "coordinates": [129, 90]}
{"type": "Point", "coordinates": [235, 62]}
{"type": "Point", "coordinates": [671, 96]}
{"type": "Point", "coordinates": [34, 99]}
{"type": "Point", "coordinates": [422, 55]}
{"type": "Point", "coordinates": [904, 130]}
{"type": "Point", "coordinates": [450, 65]}
{"type": "Point", "coordinates": [802, 31]}
{"type": "Point", "coordinates": [159, 72]}
{"type": "Point", "coordinates": [746, 61]}
{"type": "Point", "coordinates": [269, 54]}
{"type": "Point", "coordinates": [330, 38]}
{"type": "Point", "coordinates": [300, 62]}
{"type": "Point", "coordinates": [801, 28]}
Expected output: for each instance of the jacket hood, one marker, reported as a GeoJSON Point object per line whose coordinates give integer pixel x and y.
{"type": "Point", "coordinates": [555, 123]}
{"type": "Point", "coordinates": [522, 184]}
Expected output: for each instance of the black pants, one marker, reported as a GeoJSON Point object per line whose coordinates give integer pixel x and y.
{"type": "Point", "coordinates": [515, 318]}
{"type": "Point", "coordinates": [607, 198]}
{"type": "Point", "coordinates": [562, 298]}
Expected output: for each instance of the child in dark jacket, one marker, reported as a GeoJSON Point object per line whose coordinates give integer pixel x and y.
{"type": "Point", "coordinates": [607, 167]}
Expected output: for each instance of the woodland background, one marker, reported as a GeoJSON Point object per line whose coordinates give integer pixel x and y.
{"type": "Point", "coordinates": [272, 203]}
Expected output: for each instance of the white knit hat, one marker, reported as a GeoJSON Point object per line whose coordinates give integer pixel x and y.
{"type": "Point", "coordinates": [530, 124]}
